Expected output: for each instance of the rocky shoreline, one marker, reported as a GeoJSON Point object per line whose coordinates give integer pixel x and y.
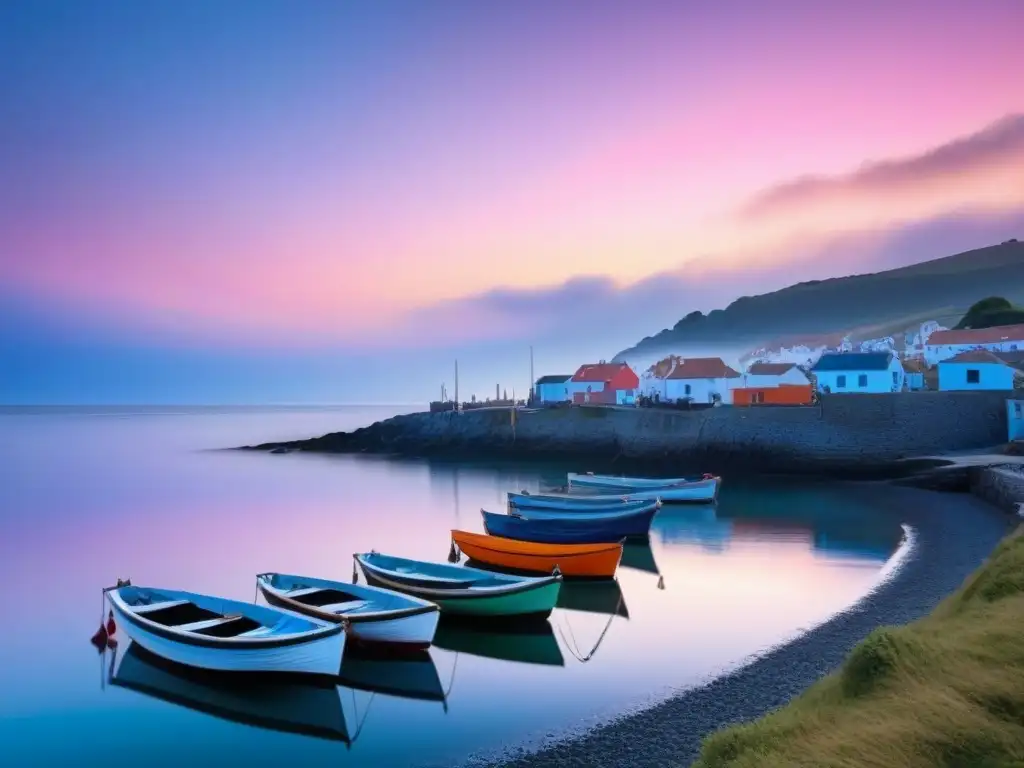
{"type": "Point", "coordinates": [863, 436]}
{"type": "Point", "coordinates": [953, 534]}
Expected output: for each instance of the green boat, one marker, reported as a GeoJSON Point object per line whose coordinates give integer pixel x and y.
{"type": "Point", "coordinates": [464, 591]}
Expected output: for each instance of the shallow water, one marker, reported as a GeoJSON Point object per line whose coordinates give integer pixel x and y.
{"type": "Point", "coordinates": [90, 495]}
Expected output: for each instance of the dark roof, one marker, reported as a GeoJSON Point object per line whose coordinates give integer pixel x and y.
{"type": "Point", "coordinates": [703, 368]}
{"type": "Point", "coordinates": [975, 356]}
{"type": "Point", "coordinates": [769, 369]}
{"type": "Point", "coordinates": [853, 361]}
{"type": "Point", "coordinates": [1015, 359]}
{"type": "Point", "coordinates": [554, 379]}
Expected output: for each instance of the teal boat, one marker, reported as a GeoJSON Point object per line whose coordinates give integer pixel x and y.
{"type": "Point", "coordinates": [464, 591]}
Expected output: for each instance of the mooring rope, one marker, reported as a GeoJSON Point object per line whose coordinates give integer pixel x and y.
{"type": "Point", "coordinates": [574, 647]}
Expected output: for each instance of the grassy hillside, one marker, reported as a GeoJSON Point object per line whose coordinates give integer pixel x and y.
{"type": "Point", "coordinates": [947, 690]}
{"type": "Point", "coordinates": [891, 301]}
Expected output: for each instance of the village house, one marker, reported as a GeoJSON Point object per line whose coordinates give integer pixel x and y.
{"type": "Point", "coordinates": [974, 370]}
{"type": "Point", "coordinates": [859, 372]}
{"type": "Point", "coordinates": [772, 384]}
{"type": "Point", "coordinates": [552, 389]}
{"type": "Point", "coordinates": [652, 381]}
{"type": "Point", "coordinates": [701, 380]}
{"type": "Point", "coordinates": [943, 345]}
{"type": "Point", "coordinates": [607, 383]}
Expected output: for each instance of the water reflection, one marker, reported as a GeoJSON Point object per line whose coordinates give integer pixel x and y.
{"type": "Point", "coordinates": [639, 556]}
{"type": "Point", "coordinates": [593, 597]}
{"type": "Point", "coordinates": [526, 643]}
{"type": "Point", "coordinates": [409, 677]}
{"type": "Point", "coordinates": [295, 705]}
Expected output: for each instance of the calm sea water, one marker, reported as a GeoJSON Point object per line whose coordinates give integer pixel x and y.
{"type": "Point", "coordinates": [90, 495]}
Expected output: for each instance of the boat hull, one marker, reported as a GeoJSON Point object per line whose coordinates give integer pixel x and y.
{"type": "Point", "coordinates": [567, 529]}
{"type": "Point", "coordinates": [704, 492]}
{"type": "Point", "coordinates": [575, 560]}
{"type": "Point", "coordinates": [534, 601]}
{"type": "Point", "coordinates": [595, 514]}
{"type": "Point", "coordinates": [401, 630]}
{"type": "Point", "coordinates": [637, 488]}
{"type": "Point", "coordinates": [320, 656]}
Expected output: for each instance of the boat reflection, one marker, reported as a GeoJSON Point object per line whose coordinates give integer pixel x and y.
{"type": "Point", "coordinates": [299, 705]}
{"type": "Point", "coordinates": [639, 556]}
{"type": "Point", "coordinates": [593, 597]}
{"type": "Point", "coordinates": [528, 642]}
{"type": "Point", "coordinates": [408, 677]}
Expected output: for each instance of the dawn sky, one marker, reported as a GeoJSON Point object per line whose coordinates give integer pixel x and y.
{"type": "Point", "coordinates": [252, 201]}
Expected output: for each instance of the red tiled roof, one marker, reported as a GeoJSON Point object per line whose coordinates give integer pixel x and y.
{"type": "Point", "coordinates": [769, 369]}
{"type": "Point", "coordinates": [703, 368]}
{"type": "Point", "coordinates": [598, 371]}
{"type": "Point", "coordinates": [975, 356]}
{"type": "Point", "coordinates": [979, 336]}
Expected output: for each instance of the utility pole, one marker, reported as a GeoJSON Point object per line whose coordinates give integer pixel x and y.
{"type": "Point", "coordinates": [456, 385]}
{"type": "Point", "coordinates": [532, 380]}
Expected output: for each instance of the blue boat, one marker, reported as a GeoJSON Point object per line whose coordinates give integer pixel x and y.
{"type": "Point", "coordinates": [568, 528]}
{"type": "Point", "coordinates": [534, 505]}
{"type": "Point", "coordinates": [577, 504]}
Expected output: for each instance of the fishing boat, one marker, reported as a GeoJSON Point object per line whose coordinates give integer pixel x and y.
{"type": "Point", "coordinates": [412, 676]}
{"type": "Point", "coordinates": [596, 513]}
{"type": "Point", "coordinates": [215, 633]}
{"type": "Point", "coordinates": [568, 528]}
{"type": "Point", "coordinates": [570, 503]}
{"type": "Point", "coordinates": [375, 616]}
{"type": "Point", "coordinates": [580, 560]}
{"type": "Point", "coordinates": [461, 590]}
{"type": "Point", "coordinates": [527, 643]}
{"type": "Point", "coordinates": [691, 492]}
{"type": "Point", "coordinates": [637, 484]}
{"type": "Point", "coordinates": [292, 704]}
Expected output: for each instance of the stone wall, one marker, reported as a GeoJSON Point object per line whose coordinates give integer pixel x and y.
{"type": "Point", "coordinates": [844, 431]}
{"type": "Point", "coordinates": [1001, 486]}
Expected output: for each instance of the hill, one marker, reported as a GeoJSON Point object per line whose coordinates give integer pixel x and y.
{"type": "Point", "coordinates": [868, 306]}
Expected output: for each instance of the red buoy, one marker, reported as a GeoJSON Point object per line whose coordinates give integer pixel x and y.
{"type": "Point", "coordinates": [111, 626]}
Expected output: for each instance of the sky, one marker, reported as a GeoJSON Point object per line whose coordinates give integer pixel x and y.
{"type": "Point", "coordinates": [259, 201]}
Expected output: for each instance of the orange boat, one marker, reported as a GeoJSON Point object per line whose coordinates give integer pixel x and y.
{"type": "Point", "coordinates": [593, 560]}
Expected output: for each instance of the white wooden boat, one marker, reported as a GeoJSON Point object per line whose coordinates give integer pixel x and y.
{"type": "Point", "coordinates": [464, 590]}
{"type": "Point", "coordinates": [694, 492]}
{"type": "Point", "coordinates": [375, 616]}
{"type": "Point", "coordinates": [301, 704]}
{"type": "Point", "coordinates": [227, 635]}
{"type": "Point", "coordinates": [647, 489]}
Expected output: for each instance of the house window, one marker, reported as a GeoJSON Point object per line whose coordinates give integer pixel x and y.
{"type": "Point", "coordinates": [895, 378]}
{"type": "Point", "coordinates": [686, 389]}
{"type": "Point", "coordinates": [862, 380]}
{"type": "Point", "coordinates": [840, 382]}
{"type": "Point", "coordinates": [973, 376]}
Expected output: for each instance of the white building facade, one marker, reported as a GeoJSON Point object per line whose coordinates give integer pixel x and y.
{"type": "Point", "coordinates": [859, 372]}
{"type": "Point", "coordinates": [944, 345]}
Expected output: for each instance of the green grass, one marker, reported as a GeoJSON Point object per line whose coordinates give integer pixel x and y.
{"type": "Point", "coordinates": [947, 690]}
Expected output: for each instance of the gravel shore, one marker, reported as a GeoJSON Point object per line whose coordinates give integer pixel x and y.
{"type": "Point", "coordinates": [954, 533]}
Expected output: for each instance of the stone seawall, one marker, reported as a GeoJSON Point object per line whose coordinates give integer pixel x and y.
{"type": "Point", "coordinates": [844, 432]}
{"type": "Point", "coordinates": [1002, 487]}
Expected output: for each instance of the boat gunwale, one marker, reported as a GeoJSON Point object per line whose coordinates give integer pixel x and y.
{"type": "Point", "coordinates": [520, 585]}
{"type": "Point", "coordinates": [340, 618]}
{"type": "Point", "coordinates": [595, 548]}
{"type": "Point", "coordinates": [223, 643]}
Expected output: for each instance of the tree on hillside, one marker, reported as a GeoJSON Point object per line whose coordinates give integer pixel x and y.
{"type": "Point", "coordinates": [991, 312]}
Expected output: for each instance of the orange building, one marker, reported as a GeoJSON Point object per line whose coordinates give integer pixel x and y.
{"type": "Point", "coordinates": [784, 394]}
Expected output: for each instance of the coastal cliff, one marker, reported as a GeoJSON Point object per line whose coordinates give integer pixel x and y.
{"type": "Point", "coordinates": [846, 433]}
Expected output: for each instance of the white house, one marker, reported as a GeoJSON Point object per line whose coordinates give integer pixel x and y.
{"type": "Point", "coordinates": [943, 345]}
{"type": "Point", "coordinates": [552, 389]}
{"type": "Point", "coordinates": [652, 381]}
{"type": "Point", "coordinates": [977, 369]}
{"type": "Point", "coordinates": [859, 372]}
{"type": "Point", "coordinates": [772, 375]}
{"type": "Point", "coordinates": [884, 344]}
{"type": "Point", "coordinates": [701, 380]}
